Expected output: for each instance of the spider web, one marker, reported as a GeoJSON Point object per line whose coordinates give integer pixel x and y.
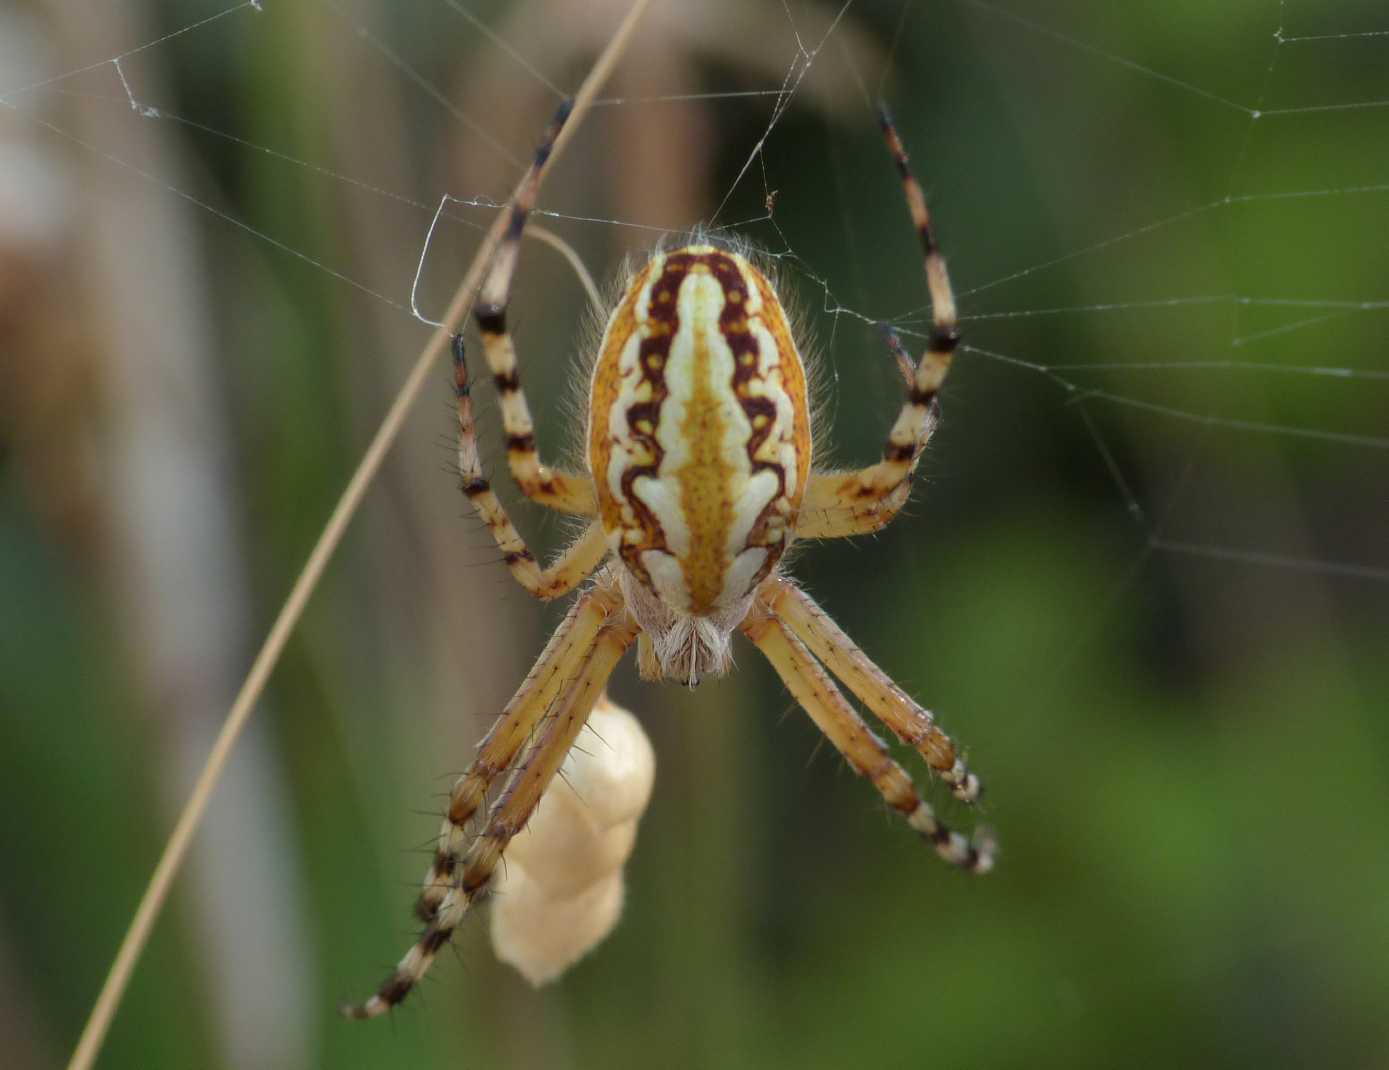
{"type": "Point", "coordinates": [1170, 272]}
{"type": "Point", "coordinates": [1255, 317]}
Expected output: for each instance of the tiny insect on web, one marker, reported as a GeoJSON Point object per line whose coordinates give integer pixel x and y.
{"type": "Point", "coordinates": [699, 478]}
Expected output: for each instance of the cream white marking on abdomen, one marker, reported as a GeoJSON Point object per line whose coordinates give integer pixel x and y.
{"type": "Point", "coordinates": [700, 437]}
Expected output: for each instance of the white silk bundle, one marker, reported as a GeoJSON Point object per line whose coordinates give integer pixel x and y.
{"type": "Point", "coordinates": [560, 891]}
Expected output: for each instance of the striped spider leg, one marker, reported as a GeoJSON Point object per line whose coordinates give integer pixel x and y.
{"type": "Point", "coordinates": [698, 479]}
{"type": "Point", "coordinates": [566, 492]}
{"type": "Point", "coordinates": [812, 687]}
{"type": "Point", "coordinates": [558, 490]}
{"type": "Point", "coordinates": [468, 881]}
{"type": "Point", "coordinates": [852, 503]}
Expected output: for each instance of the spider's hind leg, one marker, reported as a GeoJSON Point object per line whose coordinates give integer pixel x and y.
{"type": "Point", "coordinates": [574, 564]}
{"type": "Point", "coordinates": [851, 503]}
{"type": "Point", "coordinates": [567, 492]}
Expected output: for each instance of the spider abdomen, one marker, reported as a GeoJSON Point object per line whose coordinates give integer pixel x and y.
{"type": "Point", "coordinates": [699, 433]}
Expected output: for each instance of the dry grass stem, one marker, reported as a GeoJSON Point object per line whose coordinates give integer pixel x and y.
{"type": "Point", "coordinates": [176, 849]}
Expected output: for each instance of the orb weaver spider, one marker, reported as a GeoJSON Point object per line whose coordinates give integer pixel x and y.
{"type": "Point", "coordinates": [699, 478]}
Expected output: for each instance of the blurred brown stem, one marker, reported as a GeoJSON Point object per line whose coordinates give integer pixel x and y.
{"type": "Point", "coordinates": [157, 892]}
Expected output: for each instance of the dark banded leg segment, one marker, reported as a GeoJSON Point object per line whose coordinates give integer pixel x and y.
{"type": "Point", "coordinates": [572, 567]}
{"type": "Point", "coordinates": [508, 816]}
{"type": "Point", "coordinates": [566, 492]}
{"type": "Point", "coordinates": [850, 503]}
{"type": "Point", "coordinates": [908, 721]}
{"type": "Point", "coordinates": [865, 752]}
{"type": "Point", "coordinates": [558, 665]}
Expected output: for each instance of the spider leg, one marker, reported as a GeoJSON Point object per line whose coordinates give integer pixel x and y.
{"type": "Point", "coordinates": [577, 562]}
{"type": "Point", "coordinates": [865, 752]}
{"type": "Point", "coordinates": [849, 503]}
{"type": "Point", "coordinates": [508, 816]}
{"type": "Point", "coordinates": [566, 492]}
{"type": "Point", "coordinates": [835, 508]}
{"type": "Point", "coordinates": [571, 644]}
{"type": "Point", "coordinates": [908, 721]}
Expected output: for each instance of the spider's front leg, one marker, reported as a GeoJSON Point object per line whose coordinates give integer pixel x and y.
{"type": "Point", "coordinates": [839, 504]}
{"type": "Point", "coordinates": [508, 816]}
{"type": "Point", "coordinates": [908, 720]}
{"type": "Point", "coordinates": [866, 754]}
{"type": "Point", "coordinates": [558, 664]}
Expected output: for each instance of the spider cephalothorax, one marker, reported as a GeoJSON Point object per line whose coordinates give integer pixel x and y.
{"type": "Point", "coordinates": [699, 477]}
{"type": "Point", "coordinates": [699, 445]}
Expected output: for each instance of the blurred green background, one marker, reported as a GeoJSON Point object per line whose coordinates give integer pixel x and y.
{"type": "Point", "coordinates": [204, 313]}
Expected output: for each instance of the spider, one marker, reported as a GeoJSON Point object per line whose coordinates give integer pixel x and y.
{"type": "Point", "coordinates": [699, 478]}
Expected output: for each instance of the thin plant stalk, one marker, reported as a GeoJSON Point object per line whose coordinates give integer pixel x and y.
{"type": "Point", "coordinates": [176, 849]}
